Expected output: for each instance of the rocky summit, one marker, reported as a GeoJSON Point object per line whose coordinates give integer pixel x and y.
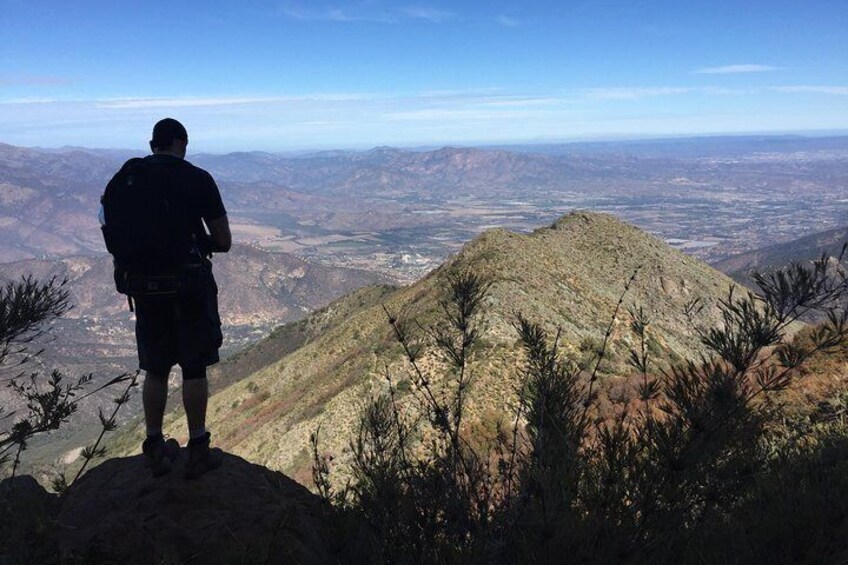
{"type": "Point", "coordinates": [117, 513]}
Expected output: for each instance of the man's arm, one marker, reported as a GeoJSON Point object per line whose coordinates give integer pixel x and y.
{"type": "Point", "coordinates": [219, 233]}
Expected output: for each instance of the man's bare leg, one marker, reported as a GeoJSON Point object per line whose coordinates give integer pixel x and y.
{"type": "Point", "coordinates": [154, 396]}
{"type": "Point", "coordinates": [160, 454]}
{"type": "Point", "coordinates": [195, 397]}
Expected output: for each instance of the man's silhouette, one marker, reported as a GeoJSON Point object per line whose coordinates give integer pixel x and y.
{"type": "Point", "coordinates": [178, 328]}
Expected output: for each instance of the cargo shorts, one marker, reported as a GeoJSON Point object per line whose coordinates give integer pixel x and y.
{"type": "Point", "coordinates": [180, 330]}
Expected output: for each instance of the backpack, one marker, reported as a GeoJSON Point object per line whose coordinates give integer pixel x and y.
{"type": "Point", "coordinates": [150, 243]}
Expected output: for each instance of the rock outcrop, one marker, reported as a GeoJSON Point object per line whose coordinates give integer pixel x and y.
{"type": "Point", "coordinates": [240, 513]}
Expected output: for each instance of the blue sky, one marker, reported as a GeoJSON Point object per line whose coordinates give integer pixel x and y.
{"type": "Point", "coordinates": [315, 74]}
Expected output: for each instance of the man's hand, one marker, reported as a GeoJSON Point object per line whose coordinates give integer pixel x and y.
{"type": "Point", "coordinates": [219, 233]}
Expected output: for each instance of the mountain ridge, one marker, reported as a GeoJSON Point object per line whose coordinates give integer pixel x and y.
{"type": "Point", "coordinates": [807, 248]}
{"type": "Point", "coordinates": [569, 275]}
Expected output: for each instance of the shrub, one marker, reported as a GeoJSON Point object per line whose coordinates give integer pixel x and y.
{"type": "Point", "coordinates": [26, 308]}
{"type": "Point", "coordinates": [681, 477]}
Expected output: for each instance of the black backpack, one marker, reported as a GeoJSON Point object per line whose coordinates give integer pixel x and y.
{"type": "Point", "coordinates": [149, 241]}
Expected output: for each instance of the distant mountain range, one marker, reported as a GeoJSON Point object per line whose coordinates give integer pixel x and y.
{"type": "Point", "coordinates": [388, 169]}
{"type": "Point", "coordinates": [714, 146]}
{"type": "Point", "coordinates": [49, 198]}
{"type": "Point", "coordinates": [48, 202]}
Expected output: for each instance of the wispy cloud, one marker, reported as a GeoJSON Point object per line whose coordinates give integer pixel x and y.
{"type": "Point", "coordinates": [369, 13]}
{"type": "Point", "coordinates": [28, 100]}
{"type": "Point", "coordinates": [807, 89]}
{"type": "Point", "coordinates": [458, 93]}
{"type": "Point", "coordinates": [325, 119]}
{"type": "Point", "coordinates": [428, 13]}
{"type": "Point", "coordinates": [129, 103]}
{"type": "Point", "coordinates": [194, 102]}
{"type": "Point", "coordinates": [33, 80]}
{"type": "Point", "coordinates": [448, 114]}
{"type": "Point", "coordinates": [489, 97]}
{"type": "Point", "coordinates": [524, 101]}
{"type": "Point", "coordinates": [133, 103]}
{"type": "Point", "coordinates": [635, 93]}
{"type": "Point", "coordinates": [735, 69]}
{"type": "Point", "coordinates": [507, 21]}
{"type": "Point", "coordinates": [336, 15]}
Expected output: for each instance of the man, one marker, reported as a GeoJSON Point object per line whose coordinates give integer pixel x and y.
{"type": "Point", "coordinates": [178, 328]}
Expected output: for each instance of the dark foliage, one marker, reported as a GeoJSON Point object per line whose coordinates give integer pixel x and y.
{"type": "Point", "coordinates": [47, 402]}
{"type": "Point", "coordinates": [26, 309]}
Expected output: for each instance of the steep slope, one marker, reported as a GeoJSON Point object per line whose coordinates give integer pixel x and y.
{"type": "Point", "coordinates": [568, 276]}
{"type": "Point", "coordinates": [289, 337]}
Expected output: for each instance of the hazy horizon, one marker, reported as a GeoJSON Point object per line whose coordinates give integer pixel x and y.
{"type": "Point", "coordinates": [635, 140]}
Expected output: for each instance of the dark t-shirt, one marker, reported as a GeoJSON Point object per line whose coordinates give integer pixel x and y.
{"type": "Point", "coordinates": [192, 193]}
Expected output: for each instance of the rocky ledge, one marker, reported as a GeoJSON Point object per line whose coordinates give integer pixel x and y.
{"type": "Point", "coordinates": [117, 513]}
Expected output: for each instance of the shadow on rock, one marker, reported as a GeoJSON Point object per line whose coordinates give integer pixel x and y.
{"type": "Point", "coordinates": [240, 513]}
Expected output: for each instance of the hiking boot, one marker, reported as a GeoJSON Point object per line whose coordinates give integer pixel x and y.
{"type": "Point", "coordinates": [160, 454]}
{"type": "Point", "coordinates": [201, 458]}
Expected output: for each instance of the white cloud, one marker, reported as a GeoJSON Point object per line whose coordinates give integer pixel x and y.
{"type": "Point", "coordinates": [635, 93]}
{"type": "Point", "coordinates": [523, 101]}
{"type": "Point", "coordinates": [837, 90]}
{"type": "Point", "coordinates": [735, 69]}
{"type": "Point", "coordinates": [337, 15]}
{"type": "Point", "coordinates": [451, 114]}
{"type": "Point", "coordinates": [507, 21]}
{"type": "Point", "coordinates": [190, 102]}
{"type": "Point", "coordinates": [459, 92]}
{"type": "Point", "coordinates": [428, 13]}
{"type": "Point", "coordinates": [33, 80]}
{"type": "Point", "coordinates": [364, 13]}
{"type": "Point", "coordinates": [32, 100]}
{"type": "Point", "coordinates": [132, 103]}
